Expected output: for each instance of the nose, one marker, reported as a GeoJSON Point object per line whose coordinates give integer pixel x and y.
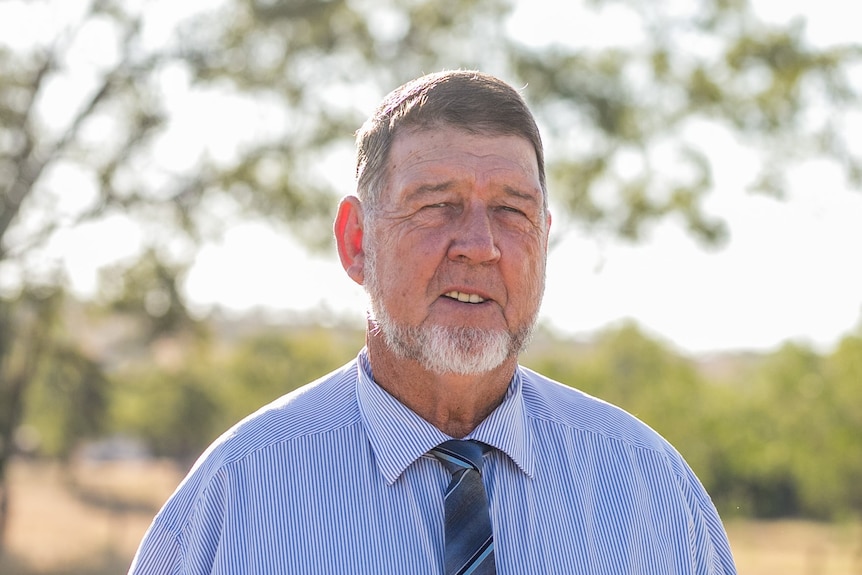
{"type": "Point", "coordinates": [473, 240]}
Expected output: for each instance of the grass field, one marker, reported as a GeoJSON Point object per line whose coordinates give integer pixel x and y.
{"type": "Point", "coordinates": [88, 520]}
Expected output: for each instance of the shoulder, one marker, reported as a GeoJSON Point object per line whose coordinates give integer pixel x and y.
{"type": "Point", "coordinates": [324, 405]}
{"type": "Point", "coordinates": [186, 529]}
{"type": "Point", "coordinates": [614, 437]}
{"type": "Point", "coordinates": [564, 413]}
{"type": "Point", "coordinates": [552, 403]}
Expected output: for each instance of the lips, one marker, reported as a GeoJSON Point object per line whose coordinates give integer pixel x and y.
{"type": "Point", "coordinates": [464, 297]}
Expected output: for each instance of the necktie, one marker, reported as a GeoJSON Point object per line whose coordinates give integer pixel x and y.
{"type": "Point", "coordinates": [469, 540]}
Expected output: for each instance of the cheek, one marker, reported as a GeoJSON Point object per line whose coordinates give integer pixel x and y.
{"type": "Point", "coordinates": [402, 276]}
{"type": "Point", "coordinates": [528, 279]}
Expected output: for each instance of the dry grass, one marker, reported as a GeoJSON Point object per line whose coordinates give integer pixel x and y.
{"type": "Point", "coordinates": [88, 521]}
{"type": "Point", "coordinates": [796, 547]}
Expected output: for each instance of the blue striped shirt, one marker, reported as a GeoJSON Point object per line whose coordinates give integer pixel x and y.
{"type": "Point", "coordinates": [336, 478]}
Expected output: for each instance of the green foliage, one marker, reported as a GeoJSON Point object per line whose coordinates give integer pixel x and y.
{"type": "Point", "coordinates": [148, 289]}
{"type": "Point", "coordinates": [63, 386]}
{"type": "Point", "coordinates": [179, 410]}
{"type": "Point", "coordinates": [792, 433]}
{"type": "Point", "coordinates": [67, 401]}
{"type": "Point", "coordinates": [843, 383]}
{"type": "Point", "coordinates": [267, 366]}
{"type": "Point", "coordinates": [174, 411]}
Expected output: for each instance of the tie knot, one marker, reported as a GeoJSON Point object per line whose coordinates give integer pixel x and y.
{"type": "Point", "coordinates": [457, 454]}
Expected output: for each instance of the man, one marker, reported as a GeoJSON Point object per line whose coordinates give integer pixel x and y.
{"type": "Point", "coordinates": [357, 473]}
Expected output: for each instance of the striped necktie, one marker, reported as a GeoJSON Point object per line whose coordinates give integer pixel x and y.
{"type": "Point", "coordinates": [469, 540]}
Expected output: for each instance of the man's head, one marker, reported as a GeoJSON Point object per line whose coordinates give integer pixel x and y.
{"type": "Point", "coordinates": [471, 101]}
{"type": "Point", "coordinates": [449, 234]}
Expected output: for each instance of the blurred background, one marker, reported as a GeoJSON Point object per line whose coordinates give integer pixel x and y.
{"type": "Point", "coordinates": [169, 173]}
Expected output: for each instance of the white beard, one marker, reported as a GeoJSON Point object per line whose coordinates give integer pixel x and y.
{"type": "Point", "coordinates": [460, 350]}
{"type": "Point", "coordinates": [439, 349]}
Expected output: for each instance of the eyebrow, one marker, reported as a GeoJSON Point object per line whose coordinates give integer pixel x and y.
{"type": "Point", "coordinates": [429, 189]}
{"type": "Point", "coordinates": [514, 192]}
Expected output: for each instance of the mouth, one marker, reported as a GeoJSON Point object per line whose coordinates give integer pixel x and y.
{"type": "Point", "coordinates": [464, 297]}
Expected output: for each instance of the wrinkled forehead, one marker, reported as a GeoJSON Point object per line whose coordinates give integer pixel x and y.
{"type": "Point", "coordinates": [438, 145]}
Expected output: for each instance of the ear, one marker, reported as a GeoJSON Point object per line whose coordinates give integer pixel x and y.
{"type": "Point", "coordinates": [348, 238]}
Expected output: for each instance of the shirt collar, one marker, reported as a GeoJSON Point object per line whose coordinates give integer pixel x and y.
{"type": "Point", "coordinates": [399, 436]}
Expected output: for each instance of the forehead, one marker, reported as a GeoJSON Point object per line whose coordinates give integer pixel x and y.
{"type": "Point", "coordinates": [449, 154]}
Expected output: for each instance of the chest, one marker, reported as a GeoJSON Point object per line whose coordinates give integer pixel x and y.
{"type": "Point", "coordinates": [561, 521]}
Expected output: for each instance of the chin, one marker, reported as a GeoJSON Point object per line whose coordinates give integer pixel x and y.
{"type": "Point", "coordinates": [451, 350]}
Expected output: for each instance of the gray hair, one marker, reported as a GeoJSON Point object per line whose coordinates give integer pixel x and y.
{"type": "Point", "coordinates": [467, 100]}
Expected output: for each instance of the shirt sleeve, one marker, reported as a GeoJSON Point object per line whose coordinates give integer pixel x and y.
{"type": "Point", "coordinates": [710, 547]}
{"type": "Point", "coordinates": [184, 536]}
{"type": "Point", "coordinates": [160, 553]}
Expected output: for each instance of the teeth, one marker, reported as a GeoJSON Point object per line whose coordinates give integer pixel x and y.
{"type": "Point", "coordinates": [465, 297]}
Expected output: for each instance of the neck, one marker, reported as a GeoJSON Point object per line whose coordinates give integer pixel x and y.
{"type": "Point", "coordinates": [453, 403]}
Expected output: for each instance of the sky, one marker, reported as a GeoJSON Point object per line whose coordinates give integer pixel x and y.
{"type": "Point", "coordinates": [791, 270]}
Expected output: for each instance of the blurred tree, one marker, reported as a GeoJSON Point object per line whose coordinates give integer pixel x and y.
{"type": "Point", "coordinates": [34, 316]}
{"type": "Point", "coordinates": [785, 435]}
{"type": "Point", "coordinates": [770, 437]}
{"type": "Point", "coordinates": [45, 366]}
{"type": "Point", "coordinates": [837, 473]}
{"type": "Point", "coordinates": [173, 409]}
{"type": "Point", "coordinates": [89, 99]}
{"type": "Point", "coordinates": [67, 399]}
{"type": "Point", "coordinates": [79, 106]}
{"type": "Point", "coordinates": [148, 289]}
{"type": "Point", "coordinates": [635, 126]}
{"type": "Point", "coordinates": [268, 365]}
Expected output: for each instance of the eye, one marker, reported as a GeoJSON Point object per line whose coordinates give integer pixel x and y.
{"type": "Point", "coordinates": [512, 210]}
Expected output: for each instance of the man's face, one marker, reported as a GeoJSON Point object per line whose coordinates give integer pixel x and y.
{"type": "Point", "coordinates": [455, 251]}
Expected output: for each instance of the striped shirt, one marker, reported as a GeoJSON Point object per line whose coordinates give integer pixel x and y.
{"type": "Point", "coordinates": [336, 478]}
